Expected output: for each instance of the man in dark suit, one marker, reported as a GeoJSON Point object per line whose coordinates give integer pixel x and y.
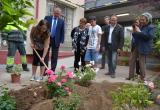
{"type": "Point", "coordinates": [113, 43]}
{"type": "Point", "coordinates": [57, 35]}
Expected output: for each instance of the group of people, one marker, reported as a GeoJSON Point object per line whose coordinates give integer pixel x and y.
{"type": "Point", "coordinates": [88, 40]}
{"type": "Point", "coordinates": [87, 45]}
{"type": "Point", "coordinates": [48, 34]}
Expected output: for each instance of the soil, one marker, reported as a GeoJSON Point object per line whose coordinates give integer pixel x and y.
{"type": "Point", "coordinates": [29, 96]}
{"type": "Point", "coordinates": [95, 97]}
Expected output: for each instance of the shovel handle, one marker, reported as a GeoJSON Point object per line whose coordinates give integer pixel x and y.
{"type": "Point", "coordinates": [40, 58]}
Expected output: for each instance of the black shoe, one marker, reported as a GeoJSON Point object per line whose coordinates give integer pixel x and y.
{"type": "Point", "coordinates": [108, 73]}
{"type": "Point", "coordinates": [129, 78]}
{"type": "Point", "coordinates": [24, 66]}
{"type": "Point", "coordinates": [102, 67]}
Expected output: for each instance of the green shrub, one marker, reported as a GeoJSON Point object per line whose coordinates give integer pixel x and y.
{"type": "Point", "coordinates": [70, 103]}
{"type": "Point", "coordinates": [131, 96]}
{"type": "Point", "coordinates": [86, 76]}
{"type": "Point", "coordinates": [157, 38]}
{"type": "Point", "coordinates": [6, 101]}
{"type": "Point", "coordinates": [157, 29]}
{"type": "Point", "coordinates": [127, 44]}
{"type": "Point", "coordinates": [17, 69]}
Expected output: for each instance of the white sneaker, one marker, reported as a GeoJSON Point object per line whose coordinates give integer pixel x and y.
{"type": "Point", "coordinates": [96, 69]}
{"type": "Point", "coordinates": [33, 78]}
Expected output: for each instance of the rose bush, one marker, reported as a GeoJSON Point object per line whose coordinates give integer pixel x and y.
{"type": "Point", "coordinates": [60, 84]}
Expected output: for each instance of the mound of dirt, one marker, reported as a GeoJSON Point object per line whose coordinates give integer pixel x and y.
{"type": "Point", "coordinates": [95, 97]}
{"type": "Point", "coordinates": [29, 96]}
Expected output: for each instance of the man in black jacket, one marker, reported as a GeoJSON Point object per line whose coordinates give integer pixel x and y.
{"type": "Point", "coordinates": [113, 43]}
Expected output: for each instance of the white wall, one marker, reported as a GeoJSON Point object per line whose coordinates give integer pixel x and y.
{"type": "Point", "coordinates": [42, 9]}
{"type": "Point", "coordinates": [78, 14]}
{"type": "Point", "coordinates": [28, 48]}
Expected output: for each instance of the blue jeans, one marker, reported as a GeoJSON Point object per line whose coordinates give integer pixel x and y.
{"type": "Point", "coordinates": [112, 60]}
{"type": "Point", "coordinates": [91, 55]}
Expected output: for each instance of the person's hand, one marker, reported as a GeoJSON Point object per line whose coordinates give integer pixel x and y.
{"type": "Point", "coordinates": [42, 59]}
{"type": "Point", "coordinates": [81, 53]}
{"type": "Point", "coordinates": [137, 29]}
{"type": "Point", "coordinates": [61, 45]}
{"type": "Point", "coordinates": [73, 50]}
{"type": "Point", "coordinates": [32, 45]}
{"type": "Point", "coordinates": [119, 51]}
{"type": "Point", "coordinates": [97, 48]}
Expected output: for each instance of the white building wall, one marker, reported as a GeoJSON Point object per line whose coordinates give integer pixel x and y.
{"type": "Point", "coordinates": [78, 14]}
{"type": "Point", "coordinates": [28, 48]}
{"type": "Point", "coordinates": [42, 9]}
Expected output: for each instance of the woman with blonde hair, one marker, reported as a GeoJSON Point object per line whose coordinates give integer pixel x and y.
{"type": "Point", "coordinates": [80, 38]}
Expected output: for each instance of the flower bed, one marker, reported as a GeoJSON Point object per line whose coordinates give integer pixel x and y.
{"type": "Point", "coordinates": [97, 96]}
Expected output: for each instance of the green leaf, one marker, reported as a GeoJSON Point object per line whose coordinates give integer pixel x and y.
{"type": "Point", "coordinates": [29, 4]}
{"type": "Point", "coordinates": [25, 12]}
{"type": "Point", "coordinates": [13, 11]}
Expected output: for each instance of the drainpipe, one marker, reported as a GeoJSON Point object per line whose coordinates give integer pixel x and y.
{"type": "Point", "coordinates": [37, 8]}
{"type": "Point", "coordinates": [0, 39]}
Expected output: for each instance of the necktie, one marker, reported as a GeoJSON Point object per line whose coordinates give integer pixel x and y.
{"type": "Point", "coordinates": [53, 28]}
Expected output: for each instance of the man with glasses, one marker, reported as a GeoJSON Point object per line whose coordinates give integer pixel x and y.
{"type": "Point", "coordinates": [57, 35]}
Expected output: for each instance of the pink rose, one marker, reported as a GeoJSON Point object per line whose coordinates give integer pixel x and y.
{"type": "Point", "coordinates": [52, 78]}
{"type": "Point", "coordinates": [151, 85]}
{"type": "Point", "coordinates": [49, 72]}
{"type": "Point", "coordinates": [69, 74]}
{"type": "Point", "coordinates": [63, 80]}
{"type": "Point", "coordinates": [62, 67]}
{"type": "Point", "coordinates": [69, 93]}
{"type": "Point", "coordinates": [59, 84]}
{"type": "Point", "coordinates": [66, 88]}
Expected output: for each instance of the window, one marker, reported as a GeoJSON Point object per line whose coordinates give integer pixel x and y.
{"type": "Point", "coordinates": [67, 15]}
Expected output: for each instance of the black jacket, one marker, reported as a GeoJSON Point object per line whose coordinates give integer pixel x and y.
{"type": "Point", "coordinates": [78, 39]}
{"type": "Point", "coordinates": [117, 37]}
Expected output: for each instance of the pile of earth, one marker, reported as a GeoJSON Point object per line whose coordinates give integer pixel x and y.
{"type": "Point", "coordinates": [95, 97]}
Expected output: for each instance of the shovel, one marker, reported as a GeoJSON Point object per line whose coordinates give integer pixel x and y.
{"type": "Point", "coordinates": [40, 59]}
